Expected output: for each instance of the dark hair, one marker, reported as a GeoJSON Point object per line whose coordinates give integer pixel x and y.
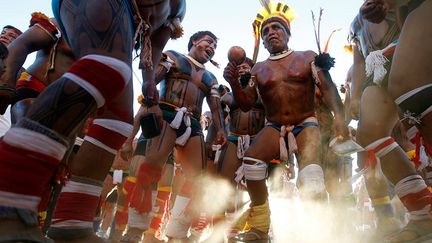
{"type": "Point", "coordinates": [14, 28]}
{"type": "Point", "coordinates": [223, 88]}
{"type": "Point", "coordinates": [198, 35]}
{"type": "Point", "coordinates": [3, 51]}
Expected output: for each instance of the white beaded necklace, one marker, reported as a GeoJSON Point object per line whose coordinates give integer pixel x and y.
{"type": "Point", "coordinates": [281, 54]}
{"type": "Point", "coordinates": [198, 64]}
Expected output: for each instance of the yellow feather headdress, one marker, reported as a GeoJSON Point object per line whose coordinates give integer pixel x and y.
{"type": "Point", "coordinates": [270, 10]}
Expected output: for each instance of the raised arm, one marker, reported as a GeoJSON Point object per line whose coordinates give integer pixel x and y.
{"type": "Point", "coordinates": [245, 97]}
{"type": "Point", "coordinates": [37, 37]}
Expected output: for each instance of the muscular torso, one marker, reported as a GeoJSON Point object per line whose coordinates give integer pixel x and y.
{"type": "Point", "coordinates": [287, 88]}
{"type": "Point", "coordinates": [157, 12]}
{"type": "Point", "coordinates": [51, 64]}
{"type": "Point", "coordinates": [245, 123]}
{"type": "Point", "coordinates": [186, 85]}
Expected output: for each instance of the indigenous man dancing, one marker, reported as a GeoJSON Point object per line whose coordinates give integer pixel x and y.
{"type": "Point", "coordinates": [286, 83]}
{"type": "Point", "coordinates": [184, 84]}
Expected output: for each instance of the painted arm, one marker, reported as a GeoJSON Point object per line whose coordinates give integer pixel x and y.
{"type": "Point", "coordinates": [214, 103]}
{"type": "Point", "coordinates": [165, 65]}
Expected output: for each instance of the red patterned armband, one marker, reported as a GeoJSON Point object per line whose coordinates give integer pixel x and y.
{"type": "Point", "coordinates": [45, 23]}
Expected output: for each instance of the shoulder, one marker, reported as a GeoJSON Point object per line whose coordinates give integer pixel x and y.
{"type": "Point", "coordinates": [356, 25]}
{"type": "Point", "coordinates": [307, 56]}
{"type": "Point", "coordinates": [258, 66]}
{"type": "Point", "coordinates": [173, 54]}
{"type": "Point", "coordinates": [208, 78]}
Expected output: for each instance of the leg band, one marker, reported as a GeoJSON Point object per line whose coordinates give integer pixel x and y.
{"type": "Point", "coordinates": [138, 220]}
{"type": "Point", "coordinates": [415, 196]}
{"type": "Point", "coordinates": [77, 203]}
{"type": "Point", "coordinates": [142, 196]}
{"type": "Point", "coordinates": [378, 149]}
{"type": "Point", "coordinates": [256, 171]}
{"type": "Point", "coordinates": [416, 104]}
{"type": "Point", "coordinates": [179, 223]}
{"type": "Point", "coordinates": [102, 76]}
{"type": "Point", "coordinates": [108, 134]}
{"type": "Point", "coordinates": [311, 179]}
{"type": "Point", "coordinates": [31, 151]}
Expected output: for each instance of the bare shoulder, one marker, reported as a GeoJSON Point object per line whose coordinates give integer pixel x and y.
{"type": "Point", "coordinates": [257, 67]}
{"type": "Point", "coordinates": [309, 54]}
{"type": "Point", "coordinates": [172, 54]}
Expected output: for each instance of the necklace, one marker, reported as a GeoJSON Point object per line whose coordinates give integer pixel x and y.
{"type": "Point", "coordinates": [198, 64]}
{"type": "Point", "coordinates": [280, 55]}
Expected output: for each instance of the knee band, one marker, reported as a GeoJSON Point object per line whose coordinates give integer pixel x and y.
{"type": "Point", "coordinates": [102, 76]}
{"type": "Point", "coordinates": [108, 134]}
{"type": "Point", "coordinates": [256, 171]}
{"type": "Point", "coordinates": [415, 104]}
{"type": "Point", "coordinates": [378, 149]}
{"type": "Point", "coordinates": [311, 179]}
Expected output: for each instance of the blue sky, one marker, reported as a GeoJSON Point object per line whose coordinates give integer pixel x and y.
{"type": "Point", "coordinates": [231, 21]}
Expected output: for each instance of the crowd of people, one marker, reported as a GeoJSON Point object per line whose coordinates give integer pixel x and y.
{"type": "Point", "coordinates": [72, 168]}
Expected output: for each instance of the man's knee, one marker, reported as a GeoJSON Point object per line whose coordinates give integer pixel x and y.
{"type": "Point", "coordinates": [101, 76]}
{"type": "Point", "coordinates": [311, 179]}
{"type": "Point", "coordinates": [254, 169]}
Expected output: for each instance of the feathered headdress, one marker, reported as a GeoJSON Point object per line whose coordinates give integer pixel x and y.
{"type": "Point", "coordinates": [278, 10]}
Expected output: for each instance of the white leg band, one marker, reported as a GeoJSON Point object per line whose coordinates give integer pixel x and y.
{"type": "Point", "coordinates": [311, 179]}
{"type": "Point", "coordinates": [256, 171]}
{"type": "Point", "coordinates": [179, 223]}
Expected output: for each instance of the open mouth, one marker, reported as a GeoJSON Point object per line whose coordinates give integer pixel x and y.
{"type": "Point", "coordinates": [209, 52]}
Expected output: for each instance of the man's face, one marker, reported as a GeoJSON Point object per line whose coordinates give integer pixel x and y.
{"type": "Point", "coordinates": [203, 49]}
{"type": "Point", "coordinates": [275, 37]}
{"type": "Point", "coordinates": [8, 35]}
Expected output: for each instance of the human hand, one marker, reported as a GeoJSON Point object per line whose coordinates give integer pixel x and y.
{"type": "Point", "coordinates": [231, 73]}
{"type": "Point", "coordinates": [126, 150]}
{"type": "Point", "coordinates": [150, 94]}
{"type": "Point", "coordinates": [374, 10]}
{"type": "Point", "coordinates": [221, 137]}
{"type": "Point", "coordinates": [340, 129]}
{"type": "Point", "coordinates": [354, 109]}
